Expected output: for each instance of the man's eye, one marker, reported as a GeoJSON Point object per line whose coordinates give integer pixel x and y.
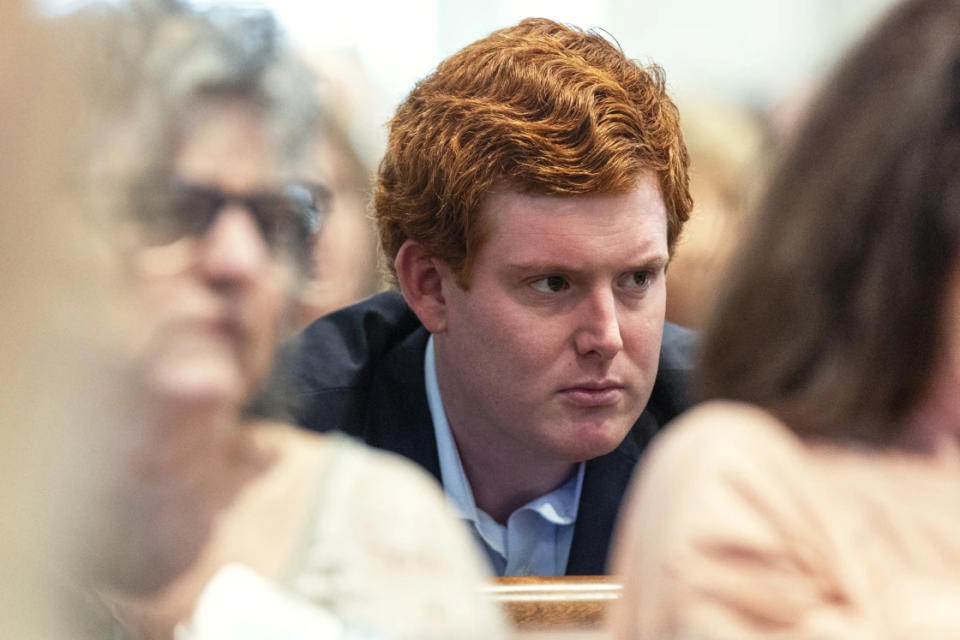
{"type": "Point", "coordinates": [550, 284]}
{"type": "Point", "coordinates": [637, 279]}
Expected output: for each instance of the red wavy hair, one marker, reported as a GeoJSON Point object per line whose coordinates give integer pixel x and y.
{"type": "Point", "coordinates": [540, 107]}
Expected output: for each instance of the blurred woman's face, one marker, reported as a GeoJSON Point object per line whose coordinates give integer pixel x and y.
{"type": "Point", "coordinates": [213, 280]}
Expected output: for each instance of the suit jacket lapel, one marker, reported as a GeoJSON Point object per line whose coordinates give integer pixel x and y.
{"type": "Point", "coordinates": [398, 417]}
{"type": "Point", "coordinates": [604, 482]}
{"type": "Point", "coordinates": [607, 478]}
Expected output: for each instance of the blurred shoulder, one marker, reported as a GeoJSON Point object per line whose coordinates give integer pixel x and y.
{"type": "Point", "coordinates": [322, 375]}
{"type": "Point", "coordinates": [678, 347]}
{"type": "Point", "coordinates": [370, 325]}
{"type": "Point", "coordinates": [360, 471]}
{"type": "Point", "coordinates": [720, 428]}
{"type": "Point", "coordinates": [385, 486]}
{"type": "Point", "coordinates": [380, 522]}
{"type": "Point", "coordinates": [384, 467]}
{"type": "Point", "coordinates": [724, 442]}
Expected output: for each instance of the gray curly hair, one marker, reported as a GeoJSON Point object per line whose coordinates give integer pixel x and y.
{"type": "Point", "coordinates": [158, 58]}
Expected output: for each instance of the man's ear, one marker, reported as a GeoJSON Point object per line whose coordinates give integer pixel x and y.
{"type": "Point", "coordinates": [421, 280]}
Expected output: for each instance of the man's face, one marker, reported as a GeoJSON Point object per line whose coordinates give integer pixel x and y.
{"type": "Point", "coordinates": [552, 352]}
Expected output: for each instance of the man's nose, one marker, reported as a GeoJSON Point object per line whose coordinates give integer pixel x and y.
{"type": "Point", "coordinates": [598, 333]}
{"type": "Point", "coordinates": [233, 251]}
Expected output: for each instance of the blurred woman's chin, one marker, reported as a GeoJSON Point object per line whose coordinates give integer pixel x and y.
{"type": "Point", "coordinates": [198, 383]}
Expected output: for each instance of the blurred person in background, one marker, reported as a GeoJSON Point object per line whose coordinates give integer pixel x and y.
{"type": "Point", "coordinates": [726, 145]}
{"type": "Point", "coordinates": [816, 495]}
{"type": "Point", "coordinates": [344, 269]}
{"type": "Point", "coordinates": [217, 524]}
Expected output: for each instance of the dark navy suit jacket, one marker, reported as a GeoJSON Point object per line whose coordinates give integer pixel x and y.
{"type": "Point", "coordinates": [360, 370]}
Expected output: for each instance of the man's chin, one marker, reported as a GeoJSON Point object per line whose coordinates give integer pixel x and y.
{"type": "Point", "coordinates": [592, 440]}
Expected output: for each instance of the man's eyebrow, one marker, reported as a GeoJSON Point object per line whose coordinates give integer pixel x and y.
{"type": "Point", "coordinates": [655, 262]}
{"type": "Point", "coordinates": [544, 268]}
{"type": "Point", "coordinates": [539, 266]}
{"type": "Point", "coordinates": [651, 262]}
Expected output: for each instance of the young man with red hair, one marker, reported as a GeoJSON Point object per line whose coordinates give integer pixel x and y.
{"type": "Point", "coordinates": [532, 191]}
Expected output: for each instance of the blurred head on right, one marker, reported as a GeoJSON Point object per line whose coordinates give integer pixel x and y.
{"type": "Point", "coordinates": [842, 311]}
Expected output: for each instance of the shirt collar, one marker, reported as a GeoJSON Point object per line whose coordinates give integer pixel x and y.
{"type": "Point", "coordinates": [560, 506]}
{"type": "Point", "coordinates": [455, 483]}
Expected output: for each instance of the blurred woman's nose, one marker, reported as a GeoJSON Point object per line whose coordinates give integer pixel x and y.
{"type": "Point", "coordinates": [233, 252]}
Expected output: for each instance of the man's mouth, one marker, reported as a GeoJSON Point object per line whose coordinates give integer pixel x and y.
{"type": "Point", "coordinates": [601, 393]}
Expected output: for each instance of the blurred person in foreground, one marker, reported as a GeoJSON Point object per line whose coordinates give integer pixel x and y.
{"type": "Point", "coordinates": [533, 188]}
{"type": "Point", "coordinates": [816, 496]}
{"type": "Point", "coordinates": [236, 527]}
{"type": "Point", "coordinates": [53, 386]}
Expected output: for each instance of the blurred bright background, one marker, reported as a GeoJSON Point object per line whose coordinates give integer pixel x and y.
{"type": "Point", "coordinates": [741, 71]}
{"type": "Point", "coordinates": [753, 51]}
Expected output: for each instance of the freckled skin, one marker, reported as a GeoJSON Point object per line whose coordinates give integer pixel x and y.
{"type": "Point", "coordinates": [567, 291]}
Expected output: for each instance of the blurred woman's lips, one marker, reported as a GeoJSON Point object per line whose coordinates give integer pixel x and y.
{"type": "Point", "coordinates": [230, 327]}
{"type": "Point", "coordinates": [216, 327]}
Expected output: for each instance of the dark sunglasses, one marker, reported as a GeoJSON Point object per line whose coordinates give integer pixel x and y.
{"type": "Point", "coordinates": [287, 219]}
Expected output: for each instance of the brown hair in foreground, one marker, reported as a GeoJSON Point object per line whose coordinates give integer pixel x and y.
{"type": "Point", "coordinates": [539, 107]}
{"type": "Point", "coordinates": [832, 315]}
